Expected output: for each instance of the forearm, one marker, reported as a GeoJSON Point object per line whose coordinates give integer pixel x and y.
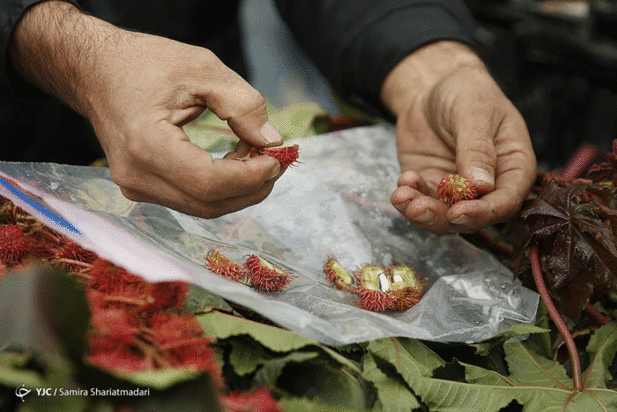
{"type": "Point", "coordinates": [55, 48]}
{"type": "Point", "coordinates": [420, 71]}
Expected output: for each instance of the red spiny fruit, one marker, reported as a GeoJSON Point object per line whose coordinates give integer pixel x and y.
{"type": "Point", "coordinates": [112, 339]}
{"type": "Point", "coordinates": [454, 188]}
{"type": "Point", "coordinates": [266, 276]}
{"type": "Point", "coordinates": [74, 251]}
{"type": "Point", "coordinates": [259, 400]}
{"type": "Point", "coordinates": [14, 245]}
{"type": "Point", "coordinates": [336, 273]}
{"type": "Point", "coordinates": [169, 328]}
{"type": "Point", "coordinates": [404, 297]}
{"type": "Point", "coordinates": [111, 326]}
{"type": "Point", "coordinates": [168, 295]}
{"type": "Point", "coordinates": [286, 155]}
{"type": "Point", "coordinates": [119, 358]}
{"type": "Point", "coordinates": [407, 275]}
{"type": "Point", "coordinates": [375, 300]}
{"type": "Point", "coordinates": [180, 339]}
{"type": "Point", "coordinates": [373, 277]}
{"type": "Point", "coordinates": [108, 278]}
{"type": "Point", "coordinates": [222, 265]}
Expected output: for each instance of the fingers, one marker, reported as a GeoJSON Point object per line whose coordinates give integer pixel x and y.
{"type": "Point", "coordinates": [418, 205]}
{"type": "Point", "coordinates": [476, 156]}
{"type": "Point", "coordinates": [167, 195]}
{"type": "Point", "coordinates": [434, 215]}
{"type": "Point", "coordinates": [173, 172]}
{"type": "Point", "coordinates": [219, 194]}
{"type": "Point", "coordinates": [231, 98]}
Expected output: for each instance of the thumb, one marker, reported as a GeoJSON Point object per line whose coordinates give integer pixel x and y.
{"type": "Point", "coordinates": [476, 158]}
{"type": "Point", "coordinates": [231, 98]}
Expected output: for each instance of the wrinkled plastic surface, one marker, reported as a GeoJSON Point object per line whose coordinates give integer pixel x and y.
{"type": "Point", "coordinates": [336, 202]}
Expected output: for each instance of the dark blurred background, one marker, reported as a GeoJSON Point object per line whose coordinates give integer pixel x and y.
{"type": "Point", "coordinates": [556, 60]}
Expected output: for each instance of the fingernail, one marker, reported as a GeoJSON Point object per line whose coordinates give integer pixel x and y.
{"type": "Point", "coordinates": [270, 134]}
{"type": "Point", "coordinates": [425, 217]}
{"type": "Point", "coordinates": [401, 206]}
{"type": "Point", "coordinates": [275, 172]}
{"type": "Point", "coordinates": [482, 175]}
{"type": "Point", "coordinates": [461, 220]}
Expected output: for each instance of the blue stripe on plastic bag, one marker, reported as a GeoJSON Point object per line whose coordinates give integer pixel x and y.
{"type": "Point", "coordinates": [42, 211]}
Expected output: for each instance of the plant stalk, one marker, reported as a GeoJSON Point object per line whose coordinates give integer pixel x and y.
{"type": "Point", "coordinates": [580, 161]}
{"type": "Point", "coordinates": [557, 319]}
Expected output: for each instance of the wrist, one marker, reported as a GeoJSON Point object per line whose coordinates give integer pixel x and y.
{"type": "Point", "coordinates": [420, 71]}
{"type": "Point", "coordinates": [54, 47]}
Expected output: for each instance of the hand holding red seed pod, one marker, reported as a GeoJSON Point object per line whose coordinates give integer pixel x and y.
{"type": "Point", "coordinates": [454, 188]}
{"type": "Point", "coordinates": [286, 155]}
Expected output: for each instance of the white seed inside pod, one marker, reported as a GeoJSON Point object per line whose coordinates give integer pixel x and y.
{"type": "Point", "coordinates": [384, 283]}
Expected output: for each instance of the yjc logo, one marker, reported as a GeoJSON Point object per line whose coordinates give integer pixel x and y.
{"type": "Point", "coordinates": [21, 391]}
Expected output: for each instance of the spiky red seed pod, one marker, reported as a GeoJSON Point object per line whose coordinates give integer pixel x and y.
{"type": "Point", "coordinates": [222, 265]}
{"type": "Point", "coordinates": [375, 300]}
{"type": "Point", "coordinates": [111, 327]}
{"type": "Point", "coordinates": [259, 400]}
{"type": "Point", "coordinates": [168, 295]}
{"type": "Point", "coordinates": [286, 155]}
{"type": "Point", "coordinates": [404, 296]}
{"type": "Point", "coordinates": [108, 278]}
{"type": "Point", "coordinates": [14, 245]}
{"type": "Point", "coordinates": [374, 277]}
{"type": "Point", "coordinates": [406, 274]}
{"type": "Point", "coordinates": [336, 273]}
{"type": "Point", "coordinates": [180, 340]}
{"type": "Point", "coordinates": [265, 275]}
{"type": "Point", "coordinates": [119, 359]}
{"type": "Point", "coordinates": [74, 251]}
{"type": "Point", "coordinates": [454, 188]}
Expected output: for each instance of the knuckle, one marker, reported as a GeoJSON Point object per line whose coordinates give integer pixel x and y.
{"type": "Point", "coordinates": [246, 103]}
{"type": "Point", "coordinates": [483, 150]}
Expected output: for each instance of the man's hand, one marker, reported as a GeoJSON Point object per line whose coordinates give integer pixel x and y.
{"type": "Point", "coordinates": [138, 91]}
{"type": "Point", "coordinates": [453, 118]}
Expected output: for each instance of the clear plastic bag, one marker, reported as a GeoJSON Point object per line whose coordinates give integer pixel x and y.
{"type": "Point", "coordinates": [336, 202]}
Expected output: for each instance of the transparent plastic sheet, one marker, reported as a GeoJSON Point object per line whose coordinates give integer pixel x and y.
{"type": "Point", "coordinates": [336, 202]}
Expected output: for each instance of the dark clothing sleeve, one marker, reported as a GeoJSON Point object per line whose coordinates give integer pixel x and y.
{"type": "Point", "coordinates": [206, 23]}
{"type": "Point", "coordinates": [355, 43]}
{"type": "Point", "coordinates": [10, 12]}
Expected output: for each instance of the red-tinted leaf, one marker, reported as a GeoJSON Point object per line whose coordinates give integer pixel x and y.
{"type": "Point", "coordinates": [608, 169]}
{"type": "Point", "coordinates": [577, 249]}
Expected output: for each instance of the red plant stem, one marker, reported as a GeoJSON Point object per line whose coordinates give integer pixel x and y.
{"type": "Point", "coordinates": [500, 247]}
{"type": "Point", "coordinates": [595, 315]}
{"type": "Point", "coordinates": [347, 287]}
{"type": "Point", "coordinates": [580, 161]}
{"type": "Point", "coordinates": [557, 319]}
